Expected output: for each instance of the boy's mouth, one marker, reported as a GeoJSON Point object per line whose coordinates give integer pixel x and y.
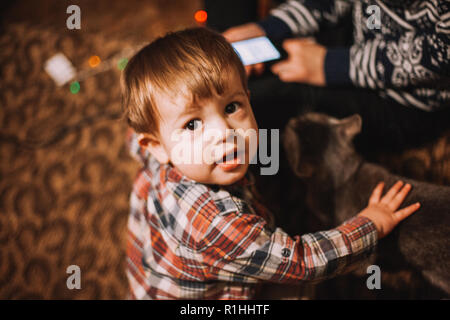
{"type": "Point", "coordinates": [230, 160]}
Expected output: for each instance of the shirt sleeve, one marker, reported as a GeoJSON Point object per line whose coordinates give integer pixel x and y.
{"type": "Point", "coordinates": [303, 17]}
{"type": "Point", "coordinates": [239, 247]}
{"type": "Point", "coordinates": [337, 66]}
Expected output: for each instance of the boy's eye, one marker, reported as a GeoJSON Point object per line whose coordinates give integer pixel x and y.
{"type": "Point", "coordinates": [232, 107]}
{"type": "Point", "coordinates": [193, 124]}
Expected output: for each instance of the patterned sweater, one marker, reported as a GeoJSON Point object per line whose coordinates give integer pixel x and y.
{"type": "Point", "coordinates": [404, 54]}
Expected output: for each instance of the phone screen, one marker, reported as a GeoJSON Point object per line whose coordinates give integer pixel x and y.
{"type": "Point", "coordinates": [256, 50]}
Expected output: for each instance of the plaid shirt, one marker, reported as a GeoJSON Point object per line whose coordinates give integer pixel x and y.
{"type": "Point", "coordinates": [187, 240]}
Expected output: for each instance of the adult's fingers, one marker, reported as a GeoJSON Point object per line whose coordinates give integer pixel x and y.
{"type": "Point", "coordinates": [278, 67]}
{"type": "Point", "coordinates": [244, 31]}
{"type": "Point", "coordinates": [291, 45]}
{"type": "Point", "coordinates": [233, 34]}
{"type": "Point", "coordinates": [376, 193]}
{"type": "Point", "coordinates": [248, 70]}
{"type": "Point", "coordinates": [285, 71]}
{"type": "Point", "coordinates": [391, 193]}
{"type": "Point", "coordinates": [259, 68]}
{"type": "Point", "coordinates": [308, 40]}
{"type": "Point", "coordinates": [406, 212]}
{"type": "Point", "coordinates": [288, 76]}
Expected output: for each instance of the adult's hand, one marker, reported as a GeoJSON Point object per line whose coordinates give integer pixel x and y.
{"type": "Point", "coordinates": [242, 32]}
{"type": "Point", "coordinates": [305, 62]}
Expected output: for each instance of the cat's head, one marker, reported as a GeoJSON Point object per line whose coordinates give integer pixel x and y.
{"type": "Point", "coordinates": [319, 145]}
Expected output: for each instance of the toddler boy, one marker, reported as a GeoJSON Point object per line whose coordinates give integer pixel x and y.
{"type": "Point", "coordinates": [195, 229]}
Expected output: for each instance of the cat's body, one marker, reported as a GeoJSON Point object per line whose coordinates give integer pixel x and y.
{"type": "Point", "coordinates": [339, 183]}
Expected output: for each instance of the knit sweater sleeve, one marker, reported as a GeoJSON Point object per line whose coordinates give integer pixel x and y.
{"type": "Point", "coordinates": [411, 61]}
{"type": "Point", "coordinates": [303, 17]}
{"type": "Point", "coordinates": [414, 59]}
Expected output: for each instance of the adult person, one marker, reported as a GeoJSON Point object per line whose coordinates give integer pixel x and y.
{"type": "Point", "coordinates": [395, 74]}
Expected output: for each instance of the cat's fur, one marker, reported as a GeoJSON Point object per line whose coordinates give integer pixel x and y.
{"type": "Point", "coordinates": [339, 183]}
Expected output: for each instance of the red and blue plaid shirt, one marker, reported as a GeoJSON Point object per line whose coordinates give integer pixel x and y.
{"type": "Point", "coordinates": [187, 240]}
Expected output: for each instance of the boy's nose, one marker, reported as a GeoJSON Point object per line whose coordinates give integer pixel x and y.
{"type": "Point", "coordinates": [223, 129]}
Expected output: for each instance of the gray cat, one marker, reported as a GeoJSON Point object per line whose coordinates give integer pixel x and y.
{"type": "Point", "coordinates": [339, 183]}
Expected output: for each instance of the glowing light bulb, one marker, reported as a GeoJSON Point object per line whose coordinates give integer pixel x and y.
{"type": "Point", "coordinates": [75, 87]}
{"type": "Point", "coordinates": [94, 61]}
{"type": "Point", "coordinates": [122, 63]}
{"type": "Point", "coordinates": [201, 16]}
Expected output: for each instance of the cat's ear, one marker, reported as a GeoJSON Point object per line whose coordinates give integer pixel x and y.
{"type": "Point", "coordinates": [351, 126]}
{"type": "Point", "coordinates": [292, 146]}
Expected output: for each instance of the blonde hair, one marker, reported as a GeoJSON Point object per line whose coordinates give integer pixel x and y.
{"type": "Point", "coordinates": [197, 58]}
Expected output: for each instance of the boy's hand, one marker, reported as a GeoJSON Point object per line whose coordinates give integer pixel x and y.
{"type": "Point", "coordinates": [305, 62]}
{"type": "Point", "coordinates": [242, 32]}
{"type": "Point", "coordinates": [383, 210]}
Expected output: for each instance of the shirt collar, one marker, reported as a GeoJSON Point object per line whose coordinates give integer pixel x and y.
{"type": "Point", "coordinates": [172, 174]}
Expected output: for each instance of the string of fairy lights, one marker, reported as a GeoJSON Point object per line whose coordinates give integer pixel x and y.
{"type": "Point", "coordinates": [61, 70]}
{"type": "Point", "coordinates": [120, 61]}
{"type": "Point", "coordinates": [97, 66]}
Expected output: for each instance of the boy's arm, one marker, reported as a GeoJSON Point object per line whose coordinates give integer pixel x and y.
{"type": "Point", "coordinates": [239, 247]}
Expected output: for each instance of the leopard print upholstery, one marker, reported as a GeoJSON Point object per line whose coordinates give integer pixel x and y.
{"type": "Point", "coordinates": [63, 202]}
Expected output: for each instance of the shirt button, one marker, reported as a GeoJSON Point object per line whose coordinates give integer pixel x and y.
{"type": "Point", "coordinates": [286, 253]}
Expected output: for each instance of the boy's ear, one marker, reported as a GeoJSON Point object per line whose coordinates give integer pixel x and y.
{"type": "Point", "coordinates": [154, 146]}
{"type": "Point", "coordinates": [351, 125]}
{"type": "Point", "coordinates": [248, 94]}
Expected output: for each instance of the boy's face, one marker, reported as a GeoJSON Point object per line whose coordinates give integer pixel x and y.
{"type": "Point", "coordinates": [210, 141]}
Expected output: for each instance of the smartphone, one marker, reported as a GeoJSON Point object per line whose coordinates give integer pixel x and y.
{"type": "Point", "coordinates": [256, 50]}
